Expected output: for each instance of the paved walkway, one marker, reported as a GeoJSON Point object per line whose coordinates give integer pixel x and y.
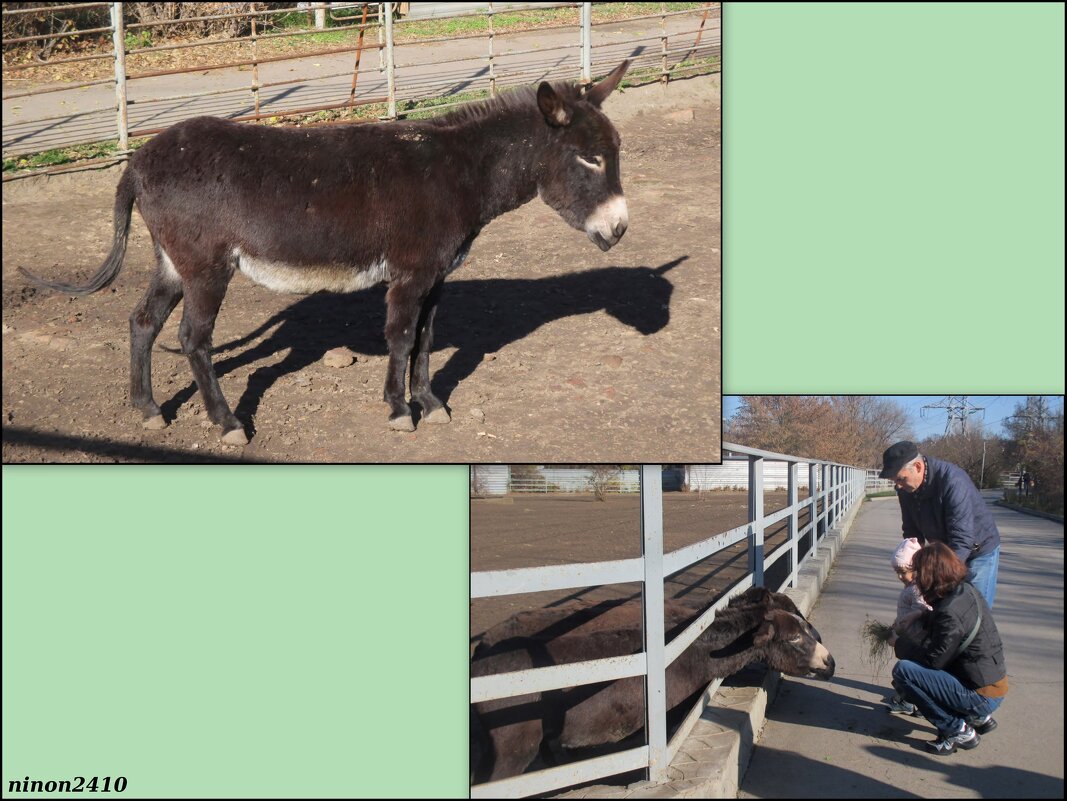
{"type": "Point", "coordinates": [837, 741]}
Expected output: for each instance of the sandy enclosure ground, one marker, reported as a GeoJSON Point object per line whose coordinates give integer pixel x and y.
{"type": "Point", "coordinates": [546, 349]}
{"type": "Point", "coordinates": [527, 530]}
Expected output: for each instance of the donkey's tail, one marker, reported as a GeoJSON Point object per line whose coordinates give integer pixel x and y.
{"type": "Point", "coordinates": [109, 270]}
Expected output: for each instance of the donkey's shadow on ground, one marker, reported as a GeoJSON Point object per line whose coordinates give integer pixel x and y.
{"type": "Point", "coordinates": [476, 317]}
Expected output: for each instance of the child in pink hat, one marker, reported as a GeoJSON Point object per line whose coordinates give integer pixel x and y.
{"type": "Point", "coordinates": [910, 609]}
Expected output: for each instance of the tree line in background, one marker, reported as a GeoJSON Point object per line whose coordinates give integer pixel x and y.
{"type": "Point", "coordinates": [850, 429]}
{"type": "Point", "coordinates": [857, 429]}
{"type": "Point", "coordinates": [1035, 445]}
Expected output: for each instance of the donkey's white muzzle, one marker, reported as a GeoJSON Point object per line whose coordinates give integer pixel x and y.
{"type": "Point", "coordinates": [606, 225]}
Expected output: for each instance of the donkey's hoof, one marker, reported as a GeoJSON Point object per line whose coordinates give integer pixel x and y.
{"type": "Point", "coordinates": [235, 437]}
{"type": "Point", "coordinates": [439, 415]}
{"type": "Point", "coordinates": [154, 423]}
{"type": "Point", "coordinates": [402, 424]}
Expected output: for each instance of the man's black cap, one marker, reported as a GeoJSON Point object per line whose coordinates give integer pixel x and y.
{"type": "Point", "coordinates": [896, 456]}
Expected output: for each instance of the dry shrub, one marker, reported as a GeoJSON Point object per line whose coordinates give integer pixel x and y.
{"type": "Point", "coordinates": [44, 22]}
{"type": "Point", "coordinates": [152, 13]}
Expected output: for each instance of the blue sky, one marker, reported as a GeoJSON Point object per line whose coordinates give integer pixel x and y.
{"type": "Point", "coordinates": [997, 409]}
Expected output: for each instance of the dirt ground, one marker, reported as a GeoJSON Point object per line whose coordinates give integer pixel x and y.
{"type": "Point", "coordinates": [546, 350]}
{"type": "Point", "coordinates": [528, 530]}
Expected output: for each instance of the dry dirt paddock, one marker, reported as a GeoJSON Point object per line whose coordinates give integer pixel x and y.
{"type": "Point", "coordinates": [546, 349]}
{"type": "Point", "coordinates": [527, 530]}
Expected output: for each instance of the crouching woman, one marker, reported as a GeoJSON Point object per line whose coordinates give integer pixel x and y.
{"type": "Point", "coordinates": [955, 675]}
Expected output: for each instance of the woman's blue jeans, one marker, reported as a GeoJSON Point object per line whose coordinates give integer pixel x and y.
{"type": "Point", "coordinates": [940, 696]}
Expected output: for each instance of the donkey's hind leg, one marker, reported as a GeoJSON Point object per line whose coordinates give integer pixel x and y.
{"type": "Point", "coordinates": [146, 320]}
{"type": "Point", "coordinates": [433, 411]}
{"type": "Point", "coordinates": [202, 302]}
{"type": "Point", "coordinates": [404, 302]}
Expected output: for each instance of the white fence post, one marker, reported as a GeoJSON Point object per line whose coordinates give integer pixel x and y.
{"type": "Point", "coordinates": [492, 71]}
{"type": "Point", "coordinates": [794, 523]}
{"type": "Point", "coordinates": [824, 472]}
{"type": "Point", "coordinates": [586, 42]}
{"type": "Point", "coordinates": [652, 596]}
{"type": "Point", "coordinates": [390, 61]}
{"type": "Point", "coordinates": [755, 519]}
{"type": "Point", "coordinates": [118, 39]}
{"type": "Point", "coordinates": [813, 496]}
{"type": "Point", "coordinates": [831, 517]}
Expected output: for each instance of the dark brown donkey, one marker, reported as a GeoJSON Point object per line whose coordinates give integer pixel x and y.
{"type": "Point", "coordinates": [508, 733]}
{"type": "Point", "coordinates": [344, 208]}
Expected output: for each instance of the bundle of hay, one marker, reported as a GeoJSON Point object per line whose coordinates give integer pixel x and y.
{"type": "Point", "coordinates": [876, 635]}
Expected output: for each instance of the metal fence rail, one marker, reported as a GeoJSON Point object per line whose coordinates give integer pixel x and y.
{"type": "Point", "coordinates": [875, 483]}
{"type": "Point", "coordinates": [835, 489]}
{"type": "Point", "coordinates": [555, 479]}
{"type": "Point", "coordinates": [144, 102]}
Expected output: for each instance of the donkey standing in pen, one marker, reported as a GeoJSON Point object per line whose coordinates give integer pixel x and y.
{"type": "Point", "coordinates": [346, 207]}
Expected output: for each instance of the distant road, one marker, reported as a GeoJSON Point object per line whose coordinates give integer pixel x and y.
{"type": "Point", "coordinates": [74, 116]}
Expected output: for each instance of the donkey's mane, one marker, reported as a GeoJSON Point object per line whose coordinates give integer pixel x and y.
{"type": "Point", "coordinates": [522, 98]}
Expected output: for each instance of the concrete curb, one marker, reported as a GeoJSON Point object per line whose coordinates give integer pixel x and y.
{"type": "Point", "coordinates": [712, 761]}
{"type": "Point", "coordinates": [1027, 511]}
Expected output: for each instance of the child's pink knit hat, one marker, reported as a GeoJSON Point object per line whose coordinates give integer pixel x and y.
{"type": "Point", "coordinates": [905, 552]}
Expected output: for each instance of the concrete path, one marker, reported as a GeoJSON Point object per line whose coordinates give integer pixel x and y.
{"type": "Point", "coordinates": [423, 70]}
{"type": "Point", "coordinates": [837, 741]}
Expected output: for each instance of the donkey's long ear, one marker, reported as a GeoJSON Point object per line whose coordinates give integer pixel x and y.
{"type": "Point", "coordinates": [552, 106]}
{"type": "Point", "coordinates": [599, 93]}
{"type": "Point", "coordinates": [765, 633]}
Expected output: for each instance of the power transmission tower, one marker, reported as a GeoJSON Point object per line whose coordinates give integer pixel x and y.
{"type": "Point", "coordinates": [958, 409]}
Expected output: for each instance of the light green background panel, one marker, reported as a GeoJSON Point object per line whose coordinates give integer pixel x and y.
{"type": "Point", "coordinates": [893, 197]}
{"type": "Point", "coordinates": [237, 632]}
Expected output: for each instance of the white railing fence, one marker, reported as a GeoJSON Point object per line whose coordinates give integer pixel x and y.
{"type": "Point", "coordinates": [836, 489]}
{"type": "Point", "coordinates": [875, 483]}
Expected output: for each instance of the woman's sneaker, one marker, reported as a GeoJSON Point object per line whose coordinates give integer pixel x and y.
{"type": "Point", "coordinates": [899, 706]}
{"type": "Point", "coordinates": [983, 725]}
{"type": "Point", "coordinates": [966, 739]}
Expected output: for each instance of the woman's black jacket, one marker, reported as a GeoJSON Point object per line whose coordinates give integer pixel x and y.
{"type": "Point", "coordinates": [947, 626]}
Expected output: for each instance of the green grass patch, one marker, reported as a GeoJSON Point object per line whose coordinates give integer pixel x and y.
{"type": "Point", "coordinates": [66, 155]}
{"type": "Point", "coordinates": [885, 494]}
{"type": "Point", "coordinates": [1050, 504]}
{"type": "Point", "coordinates": [504, 22]}
{"type": "Point", "coordinates": [651, 74]}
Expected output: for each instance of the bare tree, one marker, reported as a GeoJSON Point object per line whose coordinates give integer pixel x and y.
{"type": "Point", "coordinates": [983, 457]}
{"type": "Point", "coordinates": [601, 478]}
{"type": "Point", "coordinates": [852, 429]}
{"type": "Point", "coordinates": [784, 423]}
{"type": "Point", "coordinates": [1035, 444]}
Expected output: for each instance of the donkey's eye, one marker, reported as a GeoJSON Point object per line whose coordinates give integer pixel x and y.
{"type": "Point", "coordinates": [592, 162]}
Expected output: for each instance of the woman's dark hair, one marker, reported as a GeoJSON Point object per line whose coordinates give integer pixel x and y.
{"type": "Point", "coordinates": [938, 571]}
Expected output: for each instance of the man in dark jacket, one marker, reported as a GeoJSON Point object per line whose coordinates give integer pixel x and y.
{"type": "Point", "coordinates": [939, 503]}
